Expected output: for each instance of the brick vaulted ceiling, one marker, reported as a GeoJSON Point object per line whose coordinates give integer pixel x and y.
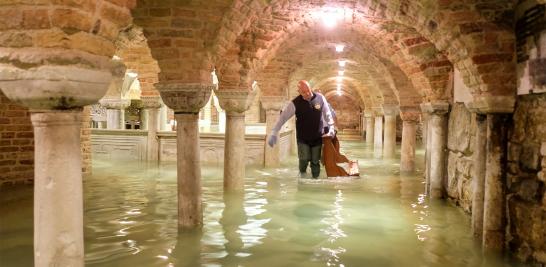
{"type": "Point", "coordinates": [398, 51]}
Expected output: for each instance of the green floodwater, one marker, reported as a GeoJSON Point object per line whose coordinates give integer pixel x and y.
{"type": "Point", "coordinates": [381, 219]}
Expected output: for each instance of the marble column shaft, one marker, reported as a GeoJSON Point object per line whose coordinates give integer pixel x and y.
{"type": "Point", "coordinates": [190, 213]}
{"type": "Point", "coordinates": [163, 123]}
{"type": "Point", "coordinates": [495, 176]}
{"type": "Point", "coordinates": [293, 138]}
{"type": "Point", "coordinates": [478, 179]}
{"type": "Point", "coordinates": [389, 143]}
{"type": "Point", "coordinates": [378, 136]}
{"type": "Point", "coordinates": [370, 125]}
{"type": "Point", "coordinates": [56, 106]}
{"type": "Point", "coordinates": [235, 103]}
{"type": "Point", "coordinates": [58, 195]}
{"type": "Point", "coordinates": [272, 106]}
{"type": "Point", "coordinates": [428, 150]}
{"type": "Point", "coordinates": [186, 100]}
{"type": "Point", "coordinates": [438, 142]}
{"type": "Point", "coordinates": [436, 146]}
{"type": "Point", "coordinates": [115, 111]}
{"type": "Point", "coordinates": [150, 106]}
{"type": "Point", "coordinates": [113, 118]}
{"type": "Point", "coordinates": [235, 152]}
{"type": "Point", "coordinates": [144, 118]}
{"type": "Point", "coordinates": [407, 151]}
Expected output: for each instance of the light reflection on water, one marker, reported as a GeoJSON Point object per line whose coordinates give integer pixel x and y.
{"type": "Point", "coordinates": [382, 219]}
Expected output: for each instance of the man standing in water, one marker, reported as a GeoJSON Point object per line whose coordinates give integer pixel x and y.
{"type": "Point", "coordinates": [312, 111]}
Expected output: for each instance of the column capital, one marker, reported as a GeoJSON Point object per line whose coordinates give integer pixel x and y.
{"type": "Point", "coordinates": [185, 97]}
{"type": "Point", "coordinates": [368, 113]}
{"type": "Point", "coordinates": [492, 104]}
{"type": "Point", "coordinates": [236, 100]}
{"type": "Point", "coordinates": [151, 102]}
{"type": "Point", "coordinates": [54, 87]}
{"type": "Point", "coordinates": [377, 111]}
{"type": "Point", "coordinates": [435, 107]}
{"type": "Point", "coordinates": [410, 114]}
{"type": "Point", "coordinates": [272, 102]}
{"type": "Point", "coordinates": [390, 110]}
{"type": "Point", "coordinates": [115, 103]}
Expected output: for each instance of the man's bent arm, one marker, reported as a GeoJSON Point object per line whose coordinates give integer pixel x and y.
{"type": "Point", "coordinates": [327, 113]}
{"type": "Point", "coordinates": [286, 114]}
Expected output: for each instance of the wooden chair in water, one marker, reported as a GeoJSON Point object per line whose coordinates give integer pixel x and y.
{"type": "Point", "coordinates": [331, 157]}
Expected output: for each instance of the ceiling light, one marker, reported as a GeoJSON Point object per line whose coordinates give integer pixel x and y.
{"type": "Point", "coordinates": [338, 91]}
{"type": "Point", "coordinates": [331, 16]}
{"type": "Point", "coordinates": [339, 79]}
{"type": "Point", "coordinates": [341, 72]}
{"type": "Point", "coordinates": [342, 63]}
{"type": "Point", "coordinates": [339, 48]}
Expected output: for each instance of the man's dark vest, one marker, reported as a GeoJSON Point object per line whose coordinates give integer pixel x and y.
{"type": "Point", "coordinates": [309, 119]}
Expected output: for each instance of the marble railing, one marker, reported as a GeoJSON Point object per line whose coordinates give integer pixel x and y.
{"type": "Point", "coordinates": [119, 144]}
{"type": "Point", "coordinates": [131, 145]}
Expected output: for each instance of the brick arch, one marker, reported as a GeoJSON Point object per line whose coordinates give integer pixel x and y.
{"type": "Point", "coordinates": [348, 91]}
{"type": "Point", "coordinates": [370, 98]}
{"type": "Point", "coordinates": [68, 32]}
{"type": "Point", "coordinates": [447, 25]}
{"type": "Point", "coordinates": [422, 70]}
{"type": "Point", "coordinates": [312, 59]}
{"type": "Point", "coordinates": [134, 52]}
{"type": "Point", "coordinates": [181, 35]}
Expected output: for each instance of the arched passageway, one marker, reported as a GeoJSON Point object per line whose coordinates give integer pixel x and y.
{"type": "Point", "coordinates": [203, 82]}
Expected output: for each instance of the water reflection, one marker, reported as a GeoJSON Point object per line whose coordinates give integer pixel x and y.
{"type": "Point", "coordinates": [328, 251]}
{"type": "Point", "coordinates": [382, 219]}
{"type": "Point", "coordinates": [187, 250]}
{"type": "Point", "coordinates": [233, 217]}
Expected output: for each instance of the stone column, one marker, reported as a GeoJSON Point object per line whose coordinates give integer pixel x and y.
{"type": "Point", "coordinates": [438, 142]}
{"type": "Point", "coordinates": [479, 176]}
{"type": "Point", "coordinates": [389, 140]}
{"type": "Point", "coordinates": [495, 183]}
{"type": "Point", "coordinates": [491, 178]}
{"type": "Point", "coordinates": [362, 126]}
{"type": "Point", "coordinates": [186, 100]}
{"type": "Point", "coordinates": [207, 114]}
{"type": "Point", "coordinates": [151, 105]}
{"type": "Point", "coordinates": [427, 146]}
{"type": "Point", "coordinates": [115, 111]}
{"type": "Point", "coordinates": [293, 137]}
{"type": "Point", "coordinates": [378, 136]}
{"type": "Point", "coordinates": [221, 114]}
{"type": "Point", "coordinates": [58, 195]}
{"type": "Point", "coordinates": [56, 106]}
{"type": "Point", "coordinates": [144, 119]}
{"type": "Point", "coordinates": [272, 106]}
{"type": "Point", "coordinates": [235, 103]}
{"type": "Point", "coordinates": [410, 119]}
{"type": "Point", "coordinates": [370, 124]}
{"type": "Point", "coordinates": [163, 121]}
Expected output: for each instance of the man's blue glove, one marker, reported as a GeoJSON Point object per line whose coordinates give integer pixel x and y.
{"type": "Point", "coordinates": [332, 131]}
{"type": "Point", "coordinates": [272, 140]}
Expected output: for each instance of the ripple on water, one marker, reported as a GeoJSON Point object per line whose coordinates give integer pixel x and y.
{"type": "Point", "coordinates": [380, 219]}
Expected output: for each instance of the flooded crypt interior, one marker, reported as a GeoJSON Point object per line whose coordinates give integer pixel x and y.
{"type": "Point", "coordinates": [134, 132]}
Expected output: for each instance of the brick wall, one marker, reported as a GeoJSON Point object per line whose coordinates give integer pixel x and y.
{"type": "Point", "coordinates": [16, 143]}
